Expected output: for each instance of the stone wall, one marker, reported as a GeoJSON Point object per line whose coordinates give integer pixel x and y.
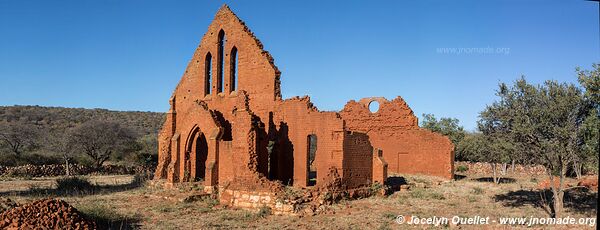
{"type": "Point", "coordinates": [256, 200]}
{"type": "Point", "coordinates": [484, 168]}
{"type": "Point", "coordinates": [59, 170]}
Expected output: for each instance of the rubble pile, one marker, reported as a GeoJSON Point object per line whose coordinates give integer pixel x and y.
{"type": "Point", "coordinates": [46, 214]}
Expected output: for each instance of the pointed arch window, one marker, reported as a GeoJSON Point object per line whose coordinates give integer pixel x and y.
{"type": "Point", "coordinates": [220, 61]}
{"type": "Point", "coordinates": [233, 67]}
{"type": "Point", "coordinates": [311, 168]}
{"type": "Point", "coordinates": [207, 73]}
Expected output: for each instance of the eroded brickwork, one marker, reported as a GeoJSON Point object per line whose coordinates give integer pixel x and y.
{"type": "Point", "coordinates": [229, 127]}
{"type": "Point", "coordinates": [394, 130]}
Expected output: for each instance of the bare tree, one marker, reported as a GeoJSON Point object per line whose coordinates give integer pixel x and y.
{"type": "Point", "coordinates": [100, 139]}
{"type": "Point", "coordinates": [59, 143]}
{"type": "Point", "coordinates": [18, 136]}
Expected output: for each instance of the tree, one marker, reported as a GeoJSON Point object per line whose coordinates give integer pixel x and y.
{"type": "Point", "coordinates": [488, 148]}
{"type": "Point", "coordinates": [587, 158]}
{"type": "Point", "coordinates": [100, 139]}
{"type": "Point", "coordinates": [448, 127]}
{"type": "Point", "coordinates": [19, 136]}
{"type": "Point", "coordinates": [147, 150]}
{"type": "Point", "coordinates": [590, 81]}
{"type": "Point", "coordinates": [60, 144]}
{"type": "Point", "coordinates": [445, 126]}
{"type": "Point", "coordinates": [543, 122]}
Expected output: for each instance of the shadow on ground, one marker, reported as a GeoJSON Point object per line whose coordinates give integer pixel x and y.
{"type": "Point", "coordinates": [459, 177]}
{"type": "Point", "coordinates": [578, 200]}
{"type": "Point", "coordinates": [85, 190]}
{"type": "Point", "coordinates": [505, 180]}
{"type": "Point", "coordinates": [113, 221]}
{"type": "Point", "coordinates": [395, 182]}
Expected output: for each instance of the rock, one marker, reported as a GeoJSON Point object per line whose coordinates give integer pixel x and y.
{"type": "Point", "coordinates": [420, 185]}
{"type": "Point", "coordinates": [404, 187]}
{"type": "Point", "coordinates": [590, 182]}
{"type": "Point", "coordinates": [546, 184]}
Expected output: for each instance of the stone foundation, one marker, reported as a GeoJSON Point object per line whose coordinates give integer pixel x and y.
{"type": "Point", "coordinates": [256, 201]}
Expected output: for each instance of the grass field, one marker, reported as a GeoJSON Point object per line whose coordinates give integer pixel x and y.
{"type": "Point", "coordinates": [120, 203]}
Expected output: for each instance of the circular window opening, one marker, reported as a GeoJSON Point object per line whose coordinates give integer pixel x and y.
{"type": "Point", "coordinates": [373, 106]}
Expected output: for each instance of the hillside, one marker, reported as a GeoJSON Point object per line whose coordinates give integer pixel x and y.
{"type": "Point", "coordinates": [58, 119]}
{"type": "Point", "coordinates": [34, 134]}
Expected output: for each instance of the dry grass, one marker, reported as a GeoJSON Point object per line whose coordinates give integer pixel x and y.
{"type": "Point", "coordinates": [151, 207]}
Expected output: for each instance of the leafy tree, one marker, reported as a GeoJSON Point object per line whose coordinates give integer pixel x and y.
{"type": "Point", "coordinates": [100, 139]}
{"type": "Point", "coordinates": [543, 122]}
{"type": "Point", "coordinates": [146, 152]}
{"type": "Point", "coordinates": [449, 127]}
{"type": "Point", "coordinates": [586, 159]}
{"type": "Point", "coordinates": [488, 148]}
{"type": "Point", "coordinates": [445, 126]}
{"type": "Point", "coordinates": [590, 81]}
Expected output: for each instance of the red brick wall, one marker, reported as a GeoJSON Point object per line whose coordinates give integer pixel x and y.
{"type": "Point", "coordinates": [358, 160]}
{"type": "Point", "coordinates": [380, 167]}
{"type": "Point", "coordinates": [394, 129]}
{"type": "Point", "coordinates": [257, 74]}
{"type": "Point", "coordinates": [240, 126]}
{"type": "Point", "coordinates": [258, 81]}
{"type": "Point", "coordinates": [302, 119]}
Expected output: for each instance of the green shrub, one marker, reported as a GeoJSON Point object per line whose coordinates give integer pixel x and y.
{"type": "Point", "coordinates": [417, 193]}
{"type": "Point", "coordinates": [472, 199]}
{"type": "Point", "coordinates": [73, 184]}
{"type": "Point", "coordinates": [478, 191]}
{"type": "Point", "coordinates": [424, 194]}
{"type": "Point", "coordinates": [462, 168]}
{"type": "Point", "coordinates": [375, 188]}
{"type": "Point", "coordinates": [264, 211]}
{"type": "Point", "coordinates": [389, 216]}
{"type": "Point", "coordinates": [437, 196]}
{"type": "Point", "coordinates": [289, 193]}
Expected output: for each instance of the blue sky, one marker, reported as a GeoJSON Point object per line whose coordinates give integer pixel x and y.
{"type": "Point", "coordinates": [129, 55]}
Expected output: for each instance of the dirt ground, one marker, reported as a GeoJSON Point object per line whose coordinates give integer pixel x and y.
{"type": "Point", "coordinates": [152, 207]}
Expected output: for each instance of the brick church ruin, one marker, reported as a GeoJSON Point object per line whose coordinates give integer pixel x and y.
{"type": "Point", "coordinates": [229, 127]}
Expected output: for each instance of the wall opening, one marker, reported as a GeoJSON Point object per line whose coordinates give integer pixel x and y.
{"type": "Point", "coordinates": [226, 125]}
{"type": "Point", "coordinates": [220, 61]}
{"type": "Point", "coordinates": [233, 67]}
{"type": "Point", "coordinates": [374, 106]}
{"type": "Point", "coordinates": [311, 167]}
{"type": "Point", "coordinates": [201, 156]}
{"type": "Point", "coordinates": [207, 73]}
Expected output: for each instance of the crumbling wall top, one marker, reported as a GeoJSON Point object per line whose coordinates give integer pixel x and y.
{"type": "Point", "coordinates": [390, 117]}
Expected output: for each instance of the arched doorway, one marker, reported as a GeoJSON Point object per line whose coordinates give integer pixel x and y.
{"type": "Point", "coordinates": [201, 156]}
{"type": "Point", "coordinates": [198, 149]}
